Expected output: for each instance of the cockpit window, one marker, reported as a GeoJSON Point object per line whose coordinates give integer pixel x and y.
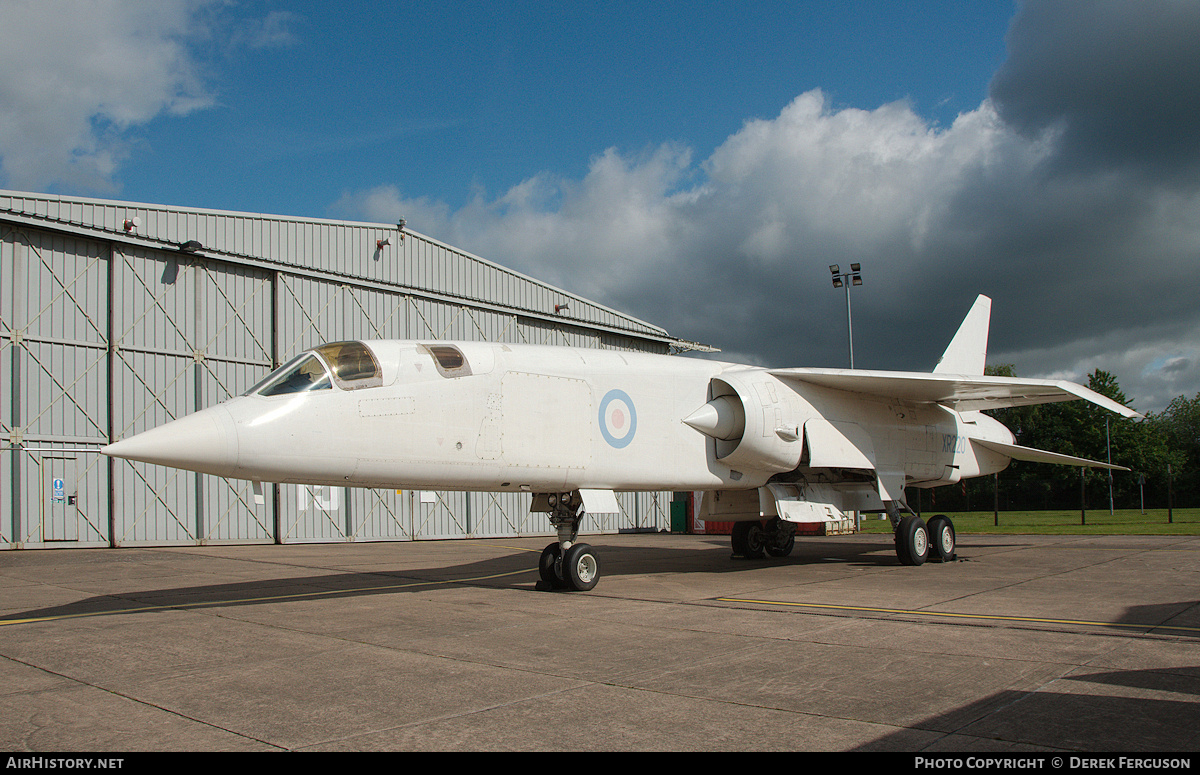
{"type": "Point", "coordinates": [348, 364]}
{"type": "Point", "coordinates": [354, 366]}
{"type": "Point", "coordinates": [299, 375]}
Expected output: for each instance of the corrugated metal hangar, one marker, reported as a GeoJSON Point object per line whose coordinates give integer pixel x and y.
{"type": "Point", "coordinates": [117, 317]}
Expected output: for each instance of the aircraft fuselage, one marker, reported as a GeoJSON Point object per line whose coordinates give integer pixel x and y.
{"type": "Point", "coordinates": [555, 419]}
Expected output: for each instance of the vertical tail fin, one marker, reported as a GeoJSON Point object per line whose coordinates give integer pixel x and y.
{"type": "Point", "coordinates": [967, 351]}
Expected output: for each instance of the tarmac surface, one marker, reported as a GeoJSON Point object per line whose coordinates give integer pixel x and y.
{"type": "Point", "coordinates": [1026, 644]}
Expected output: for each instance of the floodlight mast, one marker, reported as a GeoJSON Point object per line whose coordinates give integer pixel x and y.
{"type": "Point", "coordinates": [845, 280]}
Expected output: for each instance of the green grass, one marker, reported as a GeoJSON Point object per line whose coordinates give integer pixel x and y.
{"type": "Point", "coordinates": [1097, 522]}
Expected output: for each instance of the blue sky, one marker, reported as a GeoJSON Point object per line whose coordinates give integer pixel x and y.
{"type": "Point", "coordinates": [443, 98]}
{"type": "Point", "coordinates": [698, 165]}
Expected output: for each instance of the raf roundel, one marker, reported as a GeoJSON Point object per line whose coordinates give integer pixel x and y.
{"type": "Point", "coordinates": [618, 419]}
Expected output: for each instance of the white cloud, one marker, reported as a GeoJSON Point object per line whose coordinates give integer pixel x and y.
{"type": "Point", "coordinates": [385, 204]}
{"type": "Point", "coordinates": [733, 250]}
{"type": "Point", "coordinates": [751, 227]}
{"type": "Point", "coordinates": [270, 32]}
{"type": "Point", "coordinates": [79, 75]}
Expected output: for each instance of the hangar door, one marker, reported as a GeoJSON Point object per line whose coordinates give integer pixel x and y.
{"type": "Point", "coordinates": [53, 388]}
{"type": "Point", "coordinates": [188, 333]}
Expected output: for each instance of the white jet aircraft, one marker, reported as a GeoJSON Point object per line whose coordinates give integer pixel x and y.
{"type": "Point", "coordinates": [771, 448]}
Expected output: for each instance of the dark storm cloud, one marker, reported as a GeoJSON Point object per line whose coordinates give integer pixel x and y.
{"type": "Point", "coordinates": [1120, 80]}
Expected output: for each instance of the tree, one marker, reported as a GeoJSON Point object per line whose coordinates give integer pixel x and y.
{"type": "Point", "coordinates": [1146, 446]}
{"type": "Point", "coordinates": [1178, 427]}
{"type": "Point", "coordinates": [1083, 429]}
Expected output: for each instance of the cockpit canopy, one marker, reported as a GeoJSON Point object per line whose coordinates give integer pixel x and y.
{"type": "Point", "coordinates": [349, 365]}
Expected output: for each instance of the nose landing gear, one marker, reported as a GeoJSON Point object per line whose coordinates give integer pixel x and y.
{"type": "Point", "coordinates": [565, 564]}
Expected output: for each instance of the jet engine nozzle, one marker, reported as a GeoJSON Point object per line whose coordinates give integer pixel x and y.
{"type": "Point", "coordinates": [724, 417]}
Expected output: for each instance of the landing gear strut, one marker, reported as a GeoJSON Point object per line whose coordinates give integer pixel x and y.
{"type": "Point", "coordinates": [565, 564]}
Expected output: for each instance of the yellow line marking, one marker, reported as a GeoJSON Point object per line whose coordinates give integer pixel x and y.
{"type": "Point", "coordinates": [267, 599]}
{"type": "Point", "coordinates": [989, 617]}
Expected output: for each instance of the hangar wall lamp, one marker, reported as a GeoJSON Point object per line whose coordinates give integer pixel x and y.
{"type": "Point", "coordinates": [380, 244]}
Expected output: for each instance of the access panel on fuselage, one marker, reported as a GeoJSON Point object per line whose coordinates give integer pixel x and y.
{"type": "Point", "coordinates": [545, 421]}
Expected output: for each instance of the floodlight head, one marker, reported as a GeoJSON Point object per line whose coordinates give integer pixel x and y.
{"type": "Point", "coordinates": [837, 281]}
{"type": "Point", "coordinates": [834, 269]}
{"type": "Point", "coordinates": [855, 267]}
{"type": "Point", "coordinates": [856, 280]}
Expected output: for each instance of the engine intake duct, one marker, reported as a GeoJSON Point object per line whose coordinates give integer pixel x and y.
{"type": "Point", "coordinates": [751, 421]}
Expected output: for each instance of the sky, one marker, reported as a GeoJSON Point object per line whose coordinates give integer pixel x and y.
{"type": "Point", "coordinates": [696, 165]}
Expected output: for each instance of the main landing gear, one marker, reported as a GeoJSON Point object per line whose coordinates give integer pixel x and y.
{"type": "Point", "coordinates": [917, 541]}
{"type": "Point", "coordinates": [565, 564]}
{"type": "Point", "coordinates": [753, 539]}
{"type": "Point", "coordinates": [942, 541]}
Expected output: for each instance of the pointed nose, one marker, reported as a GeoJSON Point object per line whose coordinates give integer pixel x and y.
{"type": "Point", "coordinates": [205, 442]}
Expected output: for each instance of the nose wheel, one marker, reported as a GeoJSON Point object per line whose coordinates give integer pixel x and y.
{"type": "Point", "coordinates": [565, 564]}
{"type": "Point", "coordinates": [577, 568]}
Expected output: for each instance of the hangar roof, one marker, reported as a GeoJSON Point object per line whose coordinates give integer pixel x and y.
{"type": "Point", "coordinates": [410, 262]}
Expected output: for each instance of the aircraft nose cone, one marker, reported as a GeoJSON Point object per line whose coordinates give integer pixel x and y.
{"type": "Point", "coordinates": [205, 442]}
{"type": "Point", "coordinates": [721, 418]}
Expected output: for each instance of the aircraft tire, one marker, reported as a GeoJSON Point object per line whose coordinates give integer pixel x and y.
{"type": "Point", "coordinates": [749, 540]}
{"type": "Point", "coordinates": [580, 567]}
{"type": "Point", "coordinates": [942, 541]}
{"type": "Point", "coordinates": [782, 549]}
{"type": "Point", "coordinates": [546, 565]}
{"type": "Point", "coordinates": [912, 541]}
